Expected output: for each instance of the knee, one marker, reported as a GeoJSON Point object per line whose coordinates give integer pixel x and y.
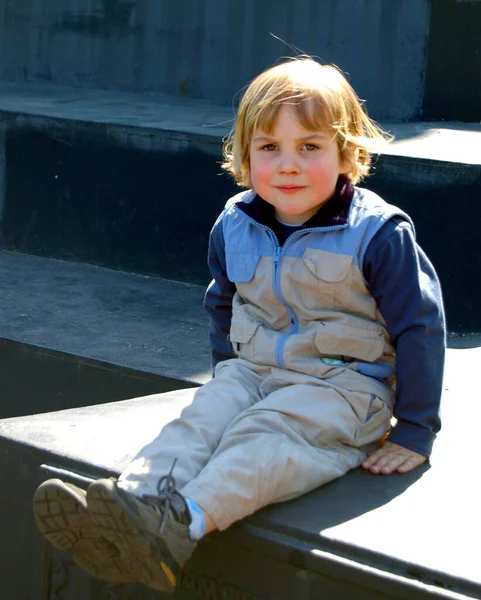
{"type": "Point", "coordinates": [256, 421]}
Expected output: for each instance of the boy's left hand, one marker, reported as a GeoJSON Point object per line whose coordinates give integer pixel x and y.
{"type": "Point", "coordinates": [390, 458]}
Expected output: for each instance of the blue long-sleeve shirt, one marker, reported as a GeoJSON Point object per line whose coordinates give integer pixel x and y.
{"type": "Point", "coordinates": [406, 289]}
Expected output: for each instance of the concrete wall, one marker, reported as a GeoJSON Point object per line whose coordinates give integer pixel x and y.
{"type": "Point", "coordinates": [453, 73]}
{"type": "Point", "coordinates": [211, 48]}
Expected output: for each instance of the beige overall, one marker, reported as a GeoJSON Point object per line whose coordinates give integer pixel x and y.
{"type": "Point", "coordinates": [258, 434]}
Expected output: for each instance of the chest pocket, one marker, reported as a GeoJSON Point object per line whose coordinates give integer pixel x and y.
{"type": "Point", "coordinates": [329, 278]}
{"type": "Point", "coordinates": [241, 266]}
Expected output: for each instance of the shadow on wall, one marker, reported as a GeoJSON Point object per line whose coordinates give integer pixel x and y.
{"type": "Point", "coordinates": [89, 200]}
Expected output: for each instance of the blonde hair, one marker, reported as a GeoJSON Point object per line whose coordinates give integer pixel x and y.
{"type": "Point", "coordinates": [322, 99]}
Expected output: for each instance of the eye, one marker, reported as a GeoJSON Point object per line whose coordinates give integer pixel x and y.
{"type": "Point", "coordinates": [269, 147]}
{"type": "Point", "coordinates": [310, 147]}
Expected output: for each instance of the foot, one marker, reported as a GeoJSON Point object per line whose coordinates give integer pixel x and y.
{"type": "Point", "coordinates": [153, 531]}
{"type": "Point", "coordinates": [60, 511]}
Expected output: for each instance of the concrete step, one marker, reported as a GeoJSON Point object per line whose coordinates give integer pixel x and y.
{"type": "Point", "coordinates": [75, 334]}
{"type": "Point", "coordinates": [36, 379]}
{"type": "Point", "coordinates": [132, 182]}
{"type": "Point", "coordinates": [367, 537]}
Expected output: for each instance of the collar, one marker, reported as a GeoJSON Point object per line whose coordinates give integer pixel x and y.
{"type": "Point", "coordinates": [334, 212]}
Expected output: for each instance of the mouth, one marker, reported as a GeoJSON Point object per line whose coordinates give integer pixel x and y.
{"type": "Point", "coordinates": [290, 189]}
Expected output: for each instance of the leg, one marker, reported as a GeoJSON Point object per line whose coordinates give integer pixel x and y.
{"type": "Point", "coordinates": [144, 516]}
{"type": "Point", "coordinates": [299, 437]}
{"type": "Point", "coordinates": [193, 437]}
{"type": "Point", "coordinates": [110, 540]}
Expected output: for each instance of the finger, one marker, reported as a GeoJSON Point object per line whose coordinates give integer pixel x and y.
{"type": "Point", "coordinates": [400, 462]}
{"type": "Point", "coordinates": [370, 460]}
{"type": "Point", "coordinates": [373, 457]}
{"type": "Point", "coordinates": [392, 464]}
{"type": "Point", "coordinates": [387, 464]}
{"type": "Point", "coordinates": [411, 463]}
{"type": "Point", "coordinates": [386, 460]}
{"type": "Point", "coordinates": [375, 461]}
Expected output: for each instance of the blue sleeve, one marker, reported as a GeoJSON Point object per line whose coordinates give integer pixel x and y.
{"type": "Point", "coordinates": [218, 297]}
{"type": "Point", "coordinates": [406, 288]}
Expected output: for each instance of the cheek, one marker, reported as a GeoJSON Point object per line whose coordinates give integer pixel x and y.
{"type": "Point", "coordinates": [260, 172]}
{"type": "Point", "coordinates": [317, 171]}
{"type": "Point", "coordinates": [323, 172]}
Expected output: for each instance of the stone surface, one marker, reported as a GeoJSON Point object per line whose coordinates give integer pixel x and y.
{"type": "Point", "coordinates": [422, 528]}
{"type": "Point", "coordinates": [144, 323]}
{"type": "Point", "coordinates": [425, 523]}
{"type": "Point", "coordinates": [202, 120]}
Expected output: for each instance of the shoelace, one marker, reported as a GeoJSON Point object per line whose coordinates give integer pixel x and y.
{"type": "Point", "coordinates": [166, 494]}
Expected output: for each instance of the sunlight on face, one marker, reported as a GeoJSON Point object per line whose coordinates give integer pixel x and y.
{"type": "Point", "coordinates": [294, 169]}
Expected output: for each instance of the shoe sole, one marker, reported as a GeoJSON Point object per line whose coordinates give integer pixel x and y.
{"type": "Point", "coordinates": [139, 549]}
{"type": "Point", "coordinates": [61, 515]}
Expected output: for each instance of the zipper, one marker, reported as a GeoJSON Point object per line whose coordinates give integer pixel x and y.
{"type": "Point", "coordinates": [276, 279]}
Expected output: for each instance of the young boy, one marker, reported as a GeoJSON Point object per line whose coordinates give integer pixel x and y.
{"type": "Point", "coordinates": [325, 318]}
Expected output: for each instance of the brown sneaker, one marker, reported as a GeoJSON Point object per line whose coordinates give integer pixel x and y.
{"type": "Point", "coordinates": [152, 532]}
{"type": "Point", "coordinates": [60, 511]}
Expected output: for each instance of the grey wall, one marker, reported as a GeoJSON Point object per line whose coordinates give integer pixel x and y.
{"type": "Point", "coordinates": [453, 72]}
{"type": "Point", "coordinates": [211, 48]}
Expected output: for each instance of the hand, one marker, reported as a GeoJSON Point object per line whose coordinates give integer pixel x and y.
{"type": "Point", "coordinates": [390, 458]}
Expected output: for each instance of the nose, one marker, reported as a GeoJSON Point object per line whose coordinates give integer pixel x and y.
{"type": "Point", "coordinates": [287, 164]}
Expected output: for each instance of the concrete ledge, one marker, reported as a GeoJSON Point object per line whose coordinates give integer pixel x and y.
{"type": "Point", "coordinates": [146, 109]}
{"type": "Point", "coordinates": [132, 335]}
{"type": "Point", "coordinates": [205, 121]}
{"type": "Point", "coordinates": [37, 380]}
{"type": "Point", "coordinates": [361, 536]}
{"type": "Point", "coordinates": [138, 198]}
{"type": "Point", "coordinates": [155, 327]}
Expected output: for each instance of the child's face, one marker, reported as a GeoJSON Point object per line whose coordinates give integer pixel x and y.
{"type": "Point", "coordinates": [293, 168]}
